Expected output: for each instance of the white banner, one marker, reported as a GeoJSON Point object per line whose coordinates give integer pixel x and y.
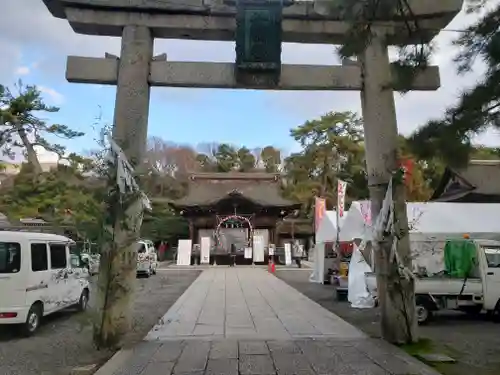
{"type": "Point", "coordinates": [366, 211]}
{"type": "Point", "coordinates": [288, 254]}
{"type": "Point", "coordinates": [184, 252]}
{"type": "Point", "coordinates": [248, 253]}
{"type": "Point", "coordinates": [341, 188]}
{"type": "Point", "coordinates": [258, 248]}
{"type": "Point", "coordinates": [206, 243]}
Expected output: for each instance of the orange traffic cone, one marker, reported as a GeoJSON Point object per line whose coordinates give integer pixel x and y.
{"type": "Point", "coordinates": [271, 267]}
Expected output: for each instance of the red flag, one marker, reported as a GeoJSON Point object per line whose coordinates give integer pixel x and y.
{"type": "Point", "coordinates": [407, 165]}
{"type": "Point", "coordinates": [319, 211]}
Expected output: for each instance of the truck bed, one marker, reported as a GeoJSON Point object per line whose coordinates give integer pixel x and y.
{"type": "Point", "coordinates": [438, 285]}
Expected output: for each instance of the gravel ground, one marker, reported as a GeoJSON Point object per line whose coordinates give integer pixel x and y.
{"type": "Point", "coordinates": [473, 342]}
{"type": "Point", "coordinates": [65, 339]}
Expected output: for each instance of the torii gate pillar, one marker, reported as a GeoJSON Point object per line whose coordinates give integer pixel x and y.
{"type": "Point", "coordinates": [130, 125]}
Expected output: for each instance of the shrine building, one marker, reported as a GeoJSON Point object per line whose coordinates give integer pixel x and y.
{"type": "Point", "coordinates": [478, 182]}
{"type": "Point", "coordinates": [231, 208]}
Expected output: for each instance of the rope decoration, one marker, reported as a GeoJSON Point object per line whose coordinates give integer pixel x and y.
{"type": "Point", "coordinates": [125, 179]}
{"type": "Point", "coordinates": [385, 227]}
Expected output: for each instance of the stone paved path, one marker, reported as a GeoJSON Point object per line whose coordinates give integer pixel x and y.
{"type": "Point", "coordinates": [245, 321]}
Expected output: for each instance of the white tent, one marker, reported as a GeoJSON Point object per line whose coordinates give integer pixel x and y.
{"type": "Point", "coordinates": [435, 220]}
{"type": "Point", "coordinates": [353, 224]}
{"type": "Point", "coordinates": [327, 230]}
{"type": "Point", "coordinates": [440, 219]}
{"type": "Point", "coordinates": [432, 223]}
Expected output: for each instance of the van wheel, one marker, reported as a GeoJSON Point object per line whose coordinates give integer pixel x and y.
{"type": "Point", "coordinates": [423, 314]}
{"type": "Point", "coordinates": [33, 320]}
{"type": "Point", "coordinates": [84, 301]}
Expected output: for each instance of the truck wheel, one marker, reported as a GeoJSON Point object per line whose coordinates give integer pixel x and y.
{"type": "Point", "coordinates": [423, 314]}
{"type": "Point", "coordinates": [495, 313]}
{"type": "Point", "coordinates": [84, 300]}
{"type": "Point", "coordinates": [33, 320]}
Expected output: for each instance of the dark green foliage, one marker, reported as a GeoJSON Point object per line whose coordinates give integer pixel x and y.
{"type": "Point", "coordinates": [362, 14]}
{"type": "Point", "coordinates": [478, 108]}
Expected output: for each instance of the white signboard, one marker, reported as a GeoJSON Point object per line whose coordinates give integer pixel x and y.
{"type": "Point", "coordinates": [184, 252]}
{"type": "Point", "coordinates": [205, 250]}
{"type": "Point", "coordinates": [271, 250]}
{"type": "Point", "coordinates": [248, 253]}
{"type": "Point", "coordinates": [258, 249]}
{"type": "Point", "coordinates": [288, 254]}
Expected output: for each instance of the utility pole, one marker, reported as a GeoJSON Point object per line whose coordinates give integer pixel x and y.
{"type": "Point", "coordinates": [396, 294]}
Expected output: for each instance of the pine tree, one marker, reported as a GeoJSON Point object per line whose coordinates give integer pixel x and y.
{"type": "Point", "coordinates": [478, 107]}
{"type": "Point", "coordinates": [21, 127]}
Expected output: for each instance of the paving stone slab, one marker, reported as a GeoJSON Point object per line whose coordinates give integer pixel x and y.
{"type": "Point", "coordinates": [253, 347]}
{"type": "Point", "coordinates": [194, 357]}
{"type": "Point", "coordinates": [256, 365]}
{"type": "Point", "coordinates": [158, 368]}
{"type": "Point", "coordinates": [138, 359]}
{"type": "Point", "coordinates": [283, 346]}
{"type": "Point", "coordinates": [224, 349]}
{"type": "Point", "coordinates": [169, 351]}
{"type": "Point", "coordinates": [223, 366]}
{"type": "Point", "coordinates": [291, 364]}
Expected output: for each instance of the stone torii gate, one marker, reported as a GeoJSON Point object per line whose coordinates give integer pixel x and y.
{"type": "Point", "coordinates": [139, 22]}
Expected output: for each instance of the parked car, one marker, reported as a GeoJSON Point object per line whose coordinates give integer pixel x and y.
{"type": "Point", "coordinates": [40, 274]}
{"type": "Point", "coordinates": [147, 259]}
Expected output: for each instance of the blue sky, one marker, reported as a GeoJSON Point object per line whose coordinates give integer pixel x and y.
{"type": "Point", "coordinates": [37, 54]}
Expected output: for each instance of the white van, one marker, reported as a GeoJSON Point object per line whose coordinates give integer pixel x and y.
{"type": "Point", "coordinates": [40, 274]}
{"type": "Point", "coordinates": [147, 259]}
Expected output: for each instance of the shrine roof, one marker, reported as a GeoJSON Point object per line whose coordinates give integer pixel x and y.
{"type": "Point", "coordinates": [479, 177]}
{"type": "Point", "coordinates": [209, 188]}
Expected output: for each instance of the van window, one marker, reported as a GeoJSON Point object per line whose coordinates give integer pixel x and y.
{"type": "Point", "coordinates": [10, 257]}
{"type": "Point", "coordinates": [58, 256]}
{"type": "Point", "coordinates": [39, 259]}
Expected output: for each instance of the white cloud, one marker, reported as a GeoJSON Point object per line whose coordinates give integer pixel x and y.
{"type": "Point", "coordinates": [54, 39]}
{"type": "Point", "coordinates": [23, 70]}
{"type": "Point", "coordinates": [56, 97]}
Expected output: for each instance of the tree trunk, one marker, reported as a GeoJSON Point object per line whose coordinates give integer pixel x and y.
{"type": "Point", "coordinates": [30, 152]}
{"type": "Point", "coordinates": [396, 295]}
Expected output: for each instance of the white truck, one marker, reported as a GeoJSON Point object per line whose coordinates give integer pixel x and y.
{"type": "Point", "coordinates": [474, 294]}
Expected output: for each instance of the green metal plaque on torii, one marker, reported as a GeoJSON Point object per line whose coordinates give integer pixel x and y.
{"type": "Point", "coordinates": [258, 38]}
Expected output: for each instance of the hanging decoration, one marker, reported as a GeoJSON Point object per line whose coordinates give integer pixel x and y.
{"type": "Point", "coordinates": [125, 174]}
{"type": "Point", "coordinates": [385, 225]}
{"type": "Point", "coordinates": [232, 220]}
